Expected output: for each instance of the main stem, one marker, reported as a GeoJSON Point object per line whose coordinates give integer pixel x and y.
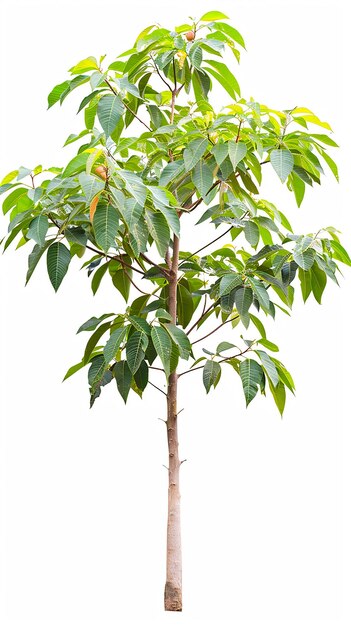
{"type": "Point", "coordinates": [173, 587]}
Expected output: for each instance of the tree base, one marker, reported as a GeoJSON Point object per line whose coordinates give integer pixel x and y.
{"type": "Point", "coordinates": [173, 598]}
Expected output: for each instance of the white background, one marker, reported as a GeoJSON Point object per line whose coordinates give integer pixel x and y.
{"type": "Point", "coordinates": [83, 494]}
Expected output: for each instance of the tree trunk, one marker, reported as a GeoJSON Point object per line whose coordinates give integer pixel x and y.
{"type": "Point", "coordinates": [173, 587]}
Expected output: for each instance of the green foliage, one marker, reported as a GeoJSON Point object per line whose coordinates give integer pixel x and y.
{"type": "Point", "coordinates": [151, 151]}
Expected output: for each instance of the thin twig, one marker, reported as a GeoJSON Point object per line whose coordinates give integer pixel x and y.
{"type": "Point", "coordinates": [126, 106]}
{"type": "Point", "coordinates": [214, 330]}
{"type": "Point", "coordinates": [160, 75]}
{"type": "Point", "coordinates": [201, 316]}
{"type": "Point", "coordinates": [152, 384]}
{"type": "Point", "coordinates": [206, 246]}
{"type": "Point", "coordinates": [200, 367]}
{"type": "Point", "coordinates": [161, 269]}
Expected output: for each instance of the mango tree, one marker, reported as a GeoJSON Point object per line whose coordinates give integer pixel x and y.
{"type": "Point", "coordinates": [152, 152]}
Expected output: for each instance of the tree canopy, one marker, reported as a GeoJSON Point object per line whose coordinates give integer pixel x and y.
{"type": "Point", "coordinates": [151, 151]}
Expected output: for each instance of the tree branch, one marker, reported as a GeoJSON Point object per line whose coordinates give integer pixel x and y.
{"type": "Point", "coordinates": [228, 358]}
{"type": "Point", "coordinates": [206, 246]}
{"type": "Point", "coordinates": [126, 106]}
{"type": "Point", "coordinates": [215, 329]}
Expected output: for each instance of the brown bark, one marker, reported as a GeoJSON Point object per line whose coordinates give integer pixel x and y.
{"type": "Point", "coordinates": [173, 587]}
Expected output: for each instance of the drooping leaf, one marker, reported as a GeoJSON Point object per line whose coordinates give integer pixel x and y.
{"type": "Point", "coordinates": [159, 230]}
{"type": "Point", "coordinates": [268, 366]}
{"type": "Point", "coordinates": [105, 224]}
{"type": "Point", "coordinates": [202, 177]}
{"type": "Point", "coordinates": [34, 258]}
{"type": "Point", "coordinates": [224, 77]}
{"type": "Point", "coordinates": [185, 305]}
{"type": "Point", "coordinates": [251, 375]}
{"type": "Point", "coordinates": [236, 151]}
{"type": "Point", "coordinates": [123, 377]}
{"type": "Point", "coordinates": [135, 350]}
{"type": "Point", "coordinates": [194, 151]}
{"type": "Point", "coordinates": [163, 346]}
{"type": "Point", "coordinates": [141, 376]}
{"type": "Point", "coordinates": [279, 395]}
{"type": "Point", "coordinates": [252, 233]}
{"type": "Point", "coordinates": [114, 342]}
{"type": "Point", "coordinates": [211, 374]}
{"type": "Point", "coordinates": [282, 162]}
{"type": "Point", "coordinates": [91, 185]}
{"type": "Point", "coordinates": [318, 282]}
{"type": "Point", "coordinates": [109, 111]}
{"type": "Point", "coordinates": [58, 260]}
{"type": "Point", "coordinates": [38, 228]}
{"type": "Point", "coordinates": [179, 337]}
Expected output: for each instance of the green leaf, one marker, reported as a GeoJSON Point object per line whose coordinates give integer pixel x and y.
{"type": "Point", "coordinates": [260, 293]}
{"type": "Point", "coordinates": [141, 377]}
{"type": "Point", "coordinates": [268, 366]}
{"type": "Point", "coordinates": [101, 330]}
{"type": "Point", "coordinates": [91, 185]}
{"type": "Point", "coordinates": [194, 151]}
{"type": "Point", "coordinates": [243, 300]}
{"type": "Point", "coordinates": [109, 111]}
{"type": "Point", "coordinates": [339, 252]}
{"type": "Point", "coordinates": [185, 306]}
{"type": "Point", "coordinates": [84, 102]}
{"type": "Point", "coordinates": [58, 260]}
{"type": "Point", "coordinates": [220, 152]}
{"type": "Point", "coordinates": [85, 66]}
{"type": "Point", "coordinates": [134, 185]}
{"type": "Point", "coordinates": [282, 162]}
{"type": "Point", "coordinates": [105, 225]}
{"type": "Point", "coordinates": [171, 217]}
{"type": "Point", "coordinates": [13, 198]}
{"type": "Point", "coordinates": [279, 395]}
{"type": "Point", "coordinates": [135, 350]}
{"type": "Point", "coordinates": [211, 374]}
{"type": "Point", "coordinates": [38, 228]}
{"type": "Point", "coordinates": [159, 230]}
{"type": "Point", "coordinates": [231, 32]}
{"type": "Point", "coordinates": [163, 346]}
{"type": "Point", "coordinates": [211, 16]}
{"type": "Point", "coordinates": [228, 283]}
{"type": "Point", "coordinates": [123, 378]}
{"type": "Point", "coordinates": [252, 233]}
{"type": "Point", "coordinates": [96, 370]}
{"type": "Point", "coordinates": [76, 165]}
{"type": "Point", "coordinates": [73, 369]}
{"type": "Point", "coordinates": [163, 315]}
{"type": "Point", "coordinates": [34, 258]}
{"type": "Point", "coordinates": [251, 375]}
{"type": "Point", "coordinates": [56, 93]}
{"type": "Point", "coordinates": [269, 345]}
{"type": "Point", "coordinates": [298, 187]}
{"type": "Point", "coordinates": [224, 77]}
{"type": "Point", "coordinates": [318, 281]}
{"type": "Point", "coordinates": [140, 324]}
{"type": "Point", "coordinates": [114, 342]}
{"type": "Point", "coordinates": [181, 340]}
{"type": "Point", "coordinates": [236, 151]}
{"type": "Point", "coordinates": [121, 280]}
{"type": "Point", "coordinates": [93, 322]}
{"type": "Point", "coordinates": [202, 177]}
{"type": "Point", "coordinates": [304, 259]}
{"type": "Point", "coordinates": [171, 171]}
